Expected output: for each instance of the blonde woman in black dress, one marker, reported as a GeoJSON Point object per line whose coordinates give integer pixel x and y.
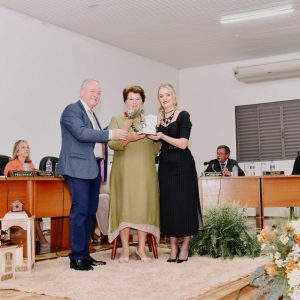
{"type": "Point", "coordinates": [180, 214]}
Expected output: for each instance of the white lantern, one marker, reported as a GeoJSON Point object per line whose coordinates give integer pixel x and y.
{"type": "Point", "coordinates": [25, 257]}
{"type": "Point", "coordinates": [7, 262]}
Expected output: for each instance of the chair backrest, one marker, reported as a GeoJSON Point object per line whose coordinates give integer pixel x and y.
{"type": "Point", "coordinates": [4, 159]}
{"type": "Point", "coordinates": [43, 161]}
{"type": "Point", "coordinates": [104, 187]}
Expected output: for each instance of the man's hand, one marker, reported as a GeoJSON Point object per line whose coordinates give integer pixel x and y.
{"type": "Point", "coordinates": [119, 134]}
{"type": "Point", "coordinates": [226, 172]}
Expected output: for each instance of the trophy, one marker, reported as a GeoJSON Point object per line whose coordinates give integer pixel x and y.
{"type": "Point", "coordinates": [149, 126]}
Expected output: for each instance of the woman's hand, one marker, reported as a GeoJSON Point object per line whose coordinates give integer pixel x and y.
{"type": "Point", "coordinates": [155, 137]}
{"type": "Point", "coordinates": [127, 124]}
{"type": "Point", "coordinates": [181, 143]}
{"type": "Point", "coordinates": [132, 137]}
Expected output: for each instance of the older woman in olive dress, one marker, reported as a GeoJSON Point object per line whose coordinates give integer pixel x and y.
{"type": "Point", "coordinates": [134, 194]}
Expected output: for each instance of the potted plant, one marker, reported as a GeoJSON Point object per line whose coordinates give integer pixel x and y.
{"type": "Point", "coordinates": [226, 234]}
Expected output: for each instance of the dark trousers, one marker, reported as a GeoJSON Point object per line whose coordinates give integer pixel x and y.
{"type": "Point", "coordinates": [85, 198]}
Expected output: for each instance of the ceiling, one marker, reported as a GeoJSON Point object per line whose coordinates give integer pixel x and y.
{"type": "Point", "coordinates": [180, 33]}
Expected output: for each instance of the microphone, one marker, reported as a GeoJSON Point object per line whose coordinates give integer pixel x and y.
{"type": "Point", "coordinates": [208, 162]}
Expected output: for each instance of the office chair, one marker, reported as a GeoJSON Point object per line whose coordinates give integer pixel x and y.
{"type": "Point", "coordinates": [4, 159]}
{"type": "Point", "coordinates": [296, 167]}
{"type": "Point", "coordinates": [43, 161]}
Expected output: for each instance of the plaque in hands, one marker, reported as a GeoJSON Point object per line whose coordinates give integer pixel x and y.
{"type": "Point", "coordinates": [150, 122]}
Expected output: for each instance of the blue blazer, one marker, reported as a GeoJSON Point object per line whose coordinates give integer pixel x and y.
{"type": "Point", "coordinates": [77, 157]}
{"type": "Point", "coordinates": [214, 166]}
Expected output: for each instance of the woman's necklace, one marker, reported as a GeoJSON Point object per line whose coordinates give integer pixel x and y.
{"type": "Point", "coordinates": [139, 127]}
{"type": "Point", "coordinates": [167, 120]}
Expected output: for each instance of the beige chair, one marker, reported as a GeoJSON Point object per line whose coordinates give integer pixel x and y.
{"type": "Point", "coordinates": [103, 206]}
{"type": "Point", "coordinates": [150, 240]}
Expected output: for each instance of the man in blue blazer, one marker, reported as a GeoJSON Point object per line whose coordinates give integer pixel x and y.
{"type": "Point", "coordinates": [79, 163]}
{"type": "Point", "coordinates": [223, 163]}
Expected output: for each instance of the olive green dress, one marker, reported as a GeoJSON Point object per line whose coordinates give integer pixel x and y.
{"type": "Point", "coordinates": [134, 193]}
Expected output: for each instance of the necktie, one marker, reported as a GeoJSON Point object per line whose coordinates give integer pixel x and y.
{"type": "Point", "coordinates": [98, 146]}
{"type": "Point", "coordinates": [223, 165]}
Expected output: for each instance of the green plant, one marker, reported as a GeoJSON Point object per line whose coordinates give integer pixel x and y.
{"type": "Point", "coordinates": [226, 234]}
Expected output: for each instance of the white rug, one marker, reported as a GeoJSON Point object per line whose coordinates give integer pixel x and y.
{"type": "Point", "coordinates": [133, 281]}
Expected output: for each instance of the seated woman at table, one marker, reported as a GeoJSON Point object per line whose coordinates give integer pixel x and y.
{"type": "Point", "coordinates": [21, 161]}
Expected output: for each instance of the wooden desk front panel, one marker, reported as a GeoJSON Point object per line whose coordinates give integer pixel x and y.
{"type": "Point", "coordinates": [20, 189]}
{"type": "Point", "coordinates": [243, 190]}
{"type": "Point", "coordinates": [49, 198]}
{"type": "Point", "coordinates": [67, 200]}
{"type": "Point", "coordinates": [280, 191]}
{"type": "Point", "coordinates": [3, 197]}
{"type": "Point", "coordinates": [42, 197]}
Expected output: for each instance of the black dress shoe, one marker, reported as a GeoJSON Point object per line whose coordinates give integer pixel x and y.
{"type": "Point", "coordinates": [81, 265]}
{"type": "Point", "coordinates": [94, 262]}
{"type": "Point", "coordinates": [179, 261]}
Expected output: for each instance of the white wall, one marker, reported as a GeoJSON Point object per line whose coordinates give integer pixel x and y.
{"type": "Point", "coordinates": [210, 94]}
{"type": "Point", "coordinates": [42, 67]}
{"type": "Point", "coordinates": [41, 70]}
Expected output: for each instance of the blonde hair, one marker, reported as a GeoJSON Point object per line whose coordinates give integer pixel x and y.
{"type": "Point", "coordinates": [170, 87]}
{"type": "Point", "coordinates": [17, 147]}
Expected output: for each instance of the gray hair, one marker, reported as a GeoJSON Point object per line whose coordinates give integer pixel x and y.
{"type": "Point", "coordinates": [87, 81]}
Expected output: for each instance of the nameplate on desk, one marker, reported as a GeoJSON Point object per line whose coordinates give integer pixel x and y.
{"type": "Point", "coordinates": [41, 173]}
{"type": "Point", "coordinates": [272, 173]}
{"type": "Point", "coordinates": [213, 174]}
{"type": "Point", "coordinates": [20, 173]}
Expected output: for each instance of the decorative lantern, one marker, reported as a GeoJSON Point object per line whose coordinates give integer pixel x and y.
{"type": "Point", "coordinates": [7, 262]}
{"type": "Point", "coordinates": [25, 249]}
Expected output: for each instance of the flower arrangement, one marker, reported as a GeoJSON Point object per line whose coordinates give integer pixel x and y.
{"type": "Point", "coordinates": [132, 114]}
{"type": "Point", "coordinates": [280, 277]}
{"type": "Point", "coordinates": [226, 234]}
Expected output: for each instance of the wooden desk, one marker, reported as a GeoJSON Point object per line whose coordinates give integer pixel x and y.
{"type": "Point", "coordinates": [243, 190]}
{"type": "Point", "coordinates": [42, 197]}
{"type": "Point", "coordinates": [20, 189]}
{"type": "Point", "coordinates": [280, 191]}
{"type": "Point", "coordinates": [3, 197]}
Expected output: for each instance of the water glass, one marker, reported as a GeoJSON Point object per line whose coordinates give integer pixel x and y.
{"type": "Point", "coordinates": [247, 169]}
{"type": "Point", "coordinates": [263, 167]}
{"type": "Point", "coordinates": [25, 167]}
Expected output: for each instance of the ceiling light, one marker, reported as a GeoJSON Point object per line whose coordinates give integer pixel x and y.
{"type": "Point", "coordinates": [256, 14]}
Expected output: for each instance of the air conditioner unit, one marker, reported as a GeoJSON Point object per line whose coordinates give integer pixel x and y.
{"type": "Point", "coordinates": [268, 71]}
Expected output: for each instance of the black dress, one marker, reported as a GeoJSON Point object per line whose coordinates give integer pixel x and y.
{"type": "Point", "coordinates": [180, 213]}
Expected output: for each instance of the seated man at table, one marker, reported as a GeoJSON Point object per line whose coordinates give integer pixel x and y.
{"type": "Point", "coordinates": [223, 163]}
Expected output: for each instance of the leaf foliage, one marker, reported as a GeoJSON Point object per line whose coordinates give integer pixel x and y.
{"type": "Point", "coordinates": [226, 234]}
